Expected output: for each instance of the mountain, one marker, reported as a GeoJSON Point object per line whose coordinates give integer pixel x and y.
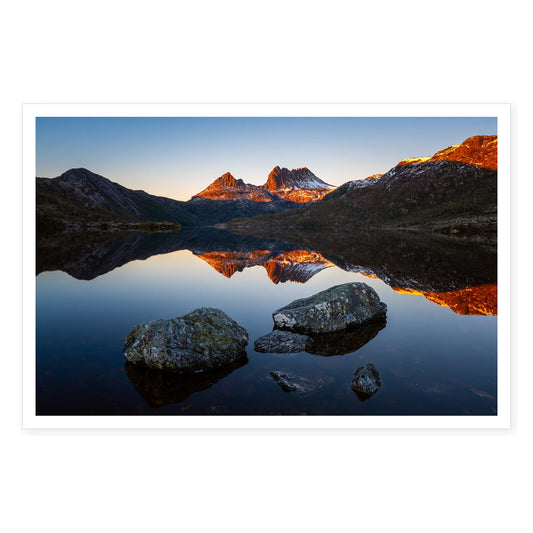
{"type": "Point", "coordinates": [480, 151]}
{"type": "Point", "coordinates": [298, 185]}
{"type": "Point", "coordinates": [455, 191]}
{"type": "Point", "coordinates": [80, 198]}
{"type": "Point", "coordinates": [228, 188]}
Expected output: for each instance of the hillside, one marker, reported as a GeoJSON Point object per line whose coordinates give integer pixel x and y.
{"type": "Point", "coordinates": [81, 199]}
{"type": "Point", "coordinates": [453, 192]}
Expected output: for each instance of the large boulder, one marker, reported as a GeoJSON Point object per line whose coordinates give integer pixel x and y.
{"type": "Point", "coordinates": [335, 309]}
{"type": "Point", "coordinates": [204, 339]}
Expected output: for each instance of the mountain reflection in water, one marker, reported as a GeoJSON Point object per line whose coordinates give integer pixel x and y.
{"type": "Point", "coordinates": [295, 265]}
{"type": "Point", "coordinates": [449, 272]}
{"type": "Point", "coordinates": [478, 300]}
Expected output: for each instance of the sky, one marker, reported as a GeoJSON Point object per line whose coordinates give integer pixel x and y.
{"type": "Point", "coordinates": [178, 157]}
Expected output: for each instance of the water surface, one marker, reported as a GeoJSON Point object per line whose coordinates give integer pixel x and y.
{"type": "Point", "coordinates": [436, 353]}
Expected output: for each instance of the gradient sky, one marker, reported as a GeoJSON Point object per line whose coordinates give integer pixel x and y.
{"type": "Point", "coordinates": [178, 157]}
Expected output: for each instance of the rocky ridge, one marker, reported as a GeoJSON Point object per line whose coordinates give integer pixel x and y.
{"type": "Point", "coordinates": [298, 185]}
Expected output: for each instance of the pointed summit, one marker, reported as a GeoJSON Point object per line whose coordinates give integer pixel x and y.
{"type": "Point", "coordinates": [275, 178]}
{"type": "Point", "coordinates": [227, 180]}
{"type": "Point", "coordinates": [226, 187]}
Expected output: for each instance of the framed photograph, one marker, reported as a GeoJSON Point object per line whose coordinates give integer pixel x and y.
{"type": "Point", "coordinates": [266, 266]}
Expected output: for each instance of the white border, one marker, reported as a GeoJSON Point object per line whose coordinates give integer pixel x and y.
{"type": "Point", "coordinates": [501, 421]}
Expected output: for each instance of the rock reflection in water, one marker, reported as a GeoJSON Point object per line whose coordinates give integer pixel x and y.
{"type": "Point", "coordinates": [343, 342]}
{"type": "Point", "coordinates": [325, 344]}
{"type": "Point", "coordinates": [159, 388]}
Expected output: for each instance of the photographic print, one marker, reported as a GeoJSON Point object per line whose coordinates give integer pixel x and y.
{"type": "Point", "coordinates": [256, 266]}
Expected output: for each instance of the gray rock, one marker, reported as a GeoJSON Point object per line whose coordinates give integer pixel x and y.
{"type": "Point", "coordinates": [366, 381]}
{"type": "Point", "coordinates": [300, 384]}
{"type": "Point", "coordinates": [335, 309]}
{"type": "Point", "coordinates": [285, 382]}
{"type": "Point", "coordinates": [278, 341]}
{"type": "Point", "coordinates": [204, 339]}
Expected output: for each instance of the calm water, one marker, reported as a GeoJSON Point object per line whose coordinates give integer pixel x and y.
{"type": "Point", "coordinates": [436, 354]}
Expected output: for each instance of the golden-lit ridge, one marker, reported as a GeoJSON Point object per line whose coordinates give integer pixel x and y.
{"type": "Point", "coordinates": [479, 150]}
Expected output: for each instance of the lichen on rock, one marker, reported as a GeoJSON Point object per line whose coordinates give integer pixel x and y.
{"type": "Point", "coordinates": [335, 309]}
{"type": "Point", "coordinates": [204, 339]}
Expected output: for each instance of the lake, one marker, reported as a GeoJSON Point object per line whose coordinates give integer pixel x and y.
{"type": "Point", "coordinates": [436, 353]}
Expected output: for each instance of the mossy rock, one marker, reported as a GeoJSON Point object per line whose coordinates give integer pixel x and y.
{"type": "Point", "coordinates": [335, 309]}
{"type": "Point", "coordinates": [204, 339]}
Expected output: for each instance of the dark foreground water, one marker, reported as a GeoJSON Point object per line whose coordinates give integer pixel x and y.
{"type": "Point", "coordinates": [436, 354]}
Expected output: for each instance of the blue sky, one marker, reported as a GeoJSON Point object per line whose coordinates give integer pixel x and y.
{"type": "Point", "coordinates": [178, 157]}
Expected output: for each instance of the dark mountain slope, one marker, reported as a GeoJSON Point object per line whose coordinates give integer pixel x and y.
{"type": "Point", "coordinates": [442, 195]}
{"type": "Point", "coordinates": [80, 197]}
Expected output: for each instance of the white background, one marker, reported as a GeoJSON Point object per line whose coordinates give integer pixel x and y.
{"type": "Point", "coordinates": [265, 52]}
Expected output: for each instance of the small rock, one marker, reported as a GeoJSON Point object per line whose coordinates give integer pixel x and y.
{"type": "Point", "coordinates": [204, 339]}
{"type": "Point", "coordinates": [285, 382]}
{"type": "Point", "coordinates": [335, 309]}
{"type": "Point", "coordinates": [278, 341]}
{"type": "Point", "coordinates": [366, 381]}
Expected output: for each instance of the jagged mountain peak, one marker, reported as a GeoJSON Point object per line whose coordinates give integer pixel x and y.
{"type": "Point", "coordinates": [283, 178]}
{"type": "Point", "coordinates": [297, 185]}
{"type": "Point", "coordinates": [226, 187]}
{"type": "Point", "coordinates": [227, 180]}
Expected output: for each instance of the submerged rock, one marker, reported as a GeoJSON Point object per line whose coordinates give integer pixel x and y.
{"type": "Point", "coordinates": [278, 341]}
{"type": "Point", "coordinates": [285, 382]}
{"type": "Point", "coordinates": [292, 384]}
{"type": "Point", "coordinates": [300, 384]}
{"type": "Point", "coordinates": [366, 381]}
{"type": "Point", "coordinates": [335, 309]}
{"type": "Point", "coordinates": [204, 339]}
